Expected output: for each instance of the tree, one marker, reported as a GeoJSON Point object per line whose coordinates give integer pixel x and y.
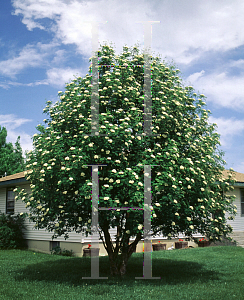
{"type": "Point", "coordinates": [187, 186]}
{"type": "Point", "coordinates": [11, 158]}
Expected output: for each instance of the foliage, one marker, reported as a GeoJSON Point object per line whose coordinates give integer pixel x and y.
{"type": "Point", "coordinates": [11, 157]}
{"type": "Point", "coordinates": [11, 231]}
{"type": "Point", "coordinates": [188, 188]}
{"type": "Point", "coordinates": [58, 251]}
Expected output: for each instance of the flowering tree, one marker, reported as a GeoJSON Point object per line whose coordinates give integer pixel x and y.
{"type": "Point", "coordinates": [187, 186]}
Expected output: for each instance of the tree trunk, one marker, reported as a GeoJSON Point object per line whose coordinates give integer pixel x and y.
{"type": "Point", "coordinates": [118, 262]}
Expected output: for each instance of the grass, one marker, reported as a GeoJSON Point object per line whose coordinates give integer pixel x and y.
{"type": "Point", "coordinates": [200, 273]}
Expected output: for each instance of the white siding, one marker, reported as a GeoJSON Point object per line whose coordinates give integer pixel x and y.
{"type": "Point", "coordinates": [41, 234]}
{"type": "Point", "coordinates": [3, 200]}
{"type": "Point", "coordinates": [44, 235]}
{"type": "Point", "coordinates": [112, 232]}
{"type": "Point", "coordinates": [238, 223]}
{"type": "Point", "coordinates": [19, 206]}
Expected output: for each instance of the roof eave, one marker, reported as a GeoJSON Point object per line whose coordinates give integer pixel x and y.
{"type": "Point", "coordinates": [13, 182]}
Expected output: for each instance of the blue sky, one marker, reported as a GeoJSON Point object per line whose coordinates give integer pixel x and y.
{"type": "Point", "coordinates": [44, 43]}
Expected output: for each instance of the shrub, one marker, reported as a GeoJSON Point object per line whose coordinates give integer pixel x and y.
{"type": "Point", "coordinates": [67, 252]}
{"type": "Point", "coordinates": [11, 231]}
{"type": "Point", "coordinates": [58, 251]}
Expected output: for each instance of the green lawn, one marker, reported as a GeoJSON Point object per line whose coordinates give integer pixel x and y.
{"type": "Point", "coordinates": [200, 273]}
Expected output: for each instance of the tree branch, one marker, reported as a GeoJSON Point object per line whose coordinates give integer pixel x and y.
{"type": "Point", "coordinates": [102, 240]}
{"type": "Point", "coordinates": [132, 246]}
{"type": "Point", "coordinates": [108, 240]}
{"type": "Point", "coordinates": [117, 239]}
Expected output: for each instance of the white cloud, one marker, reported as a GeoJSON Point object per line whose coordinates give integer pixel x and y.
{"type": "Point", "coordinates": [12, 124]}
{"type": "Point", "coordinates": [12, 121]}
{"type": "Point", "coordinates": [33, 11]}
{"type": "Point", "coordinates": [58, 76]}
{"type": "Point", "coordinates": [7, 84]}
{"type": "Point", "coordinates": [60, 57]}
{"type": "Point", "coordinates": [237, 63]}
{"type": "Point", "coordinates": [220, 88]}
{"type": "Point", "coordinates": [187, 29]}
{"type": "Point", "coordinates": [38, 56]}
{"type": "Point", "coordinates": [29, 56]}
{"type": "Point", "coordinates": [228, 129]}
{"type": "Point", "coordinates": [195, 76]}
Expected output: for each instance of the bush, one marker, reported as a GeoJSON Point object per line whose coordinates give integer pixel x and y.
{"type": "Point", "coordinates": [67, 252]}
{"type": "Point", "coordinates": [11, 231]}
{"type": "Point", "coordinates": [57, 251]}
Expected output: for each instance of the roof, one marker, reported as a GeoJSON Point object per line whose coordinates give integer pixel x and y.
{"type": "Point", "coordinates": [12, 179]}
{"type": "Point", "coordinates": [14, 176]}
{"type": "Point", "coordinates": [238, 176]}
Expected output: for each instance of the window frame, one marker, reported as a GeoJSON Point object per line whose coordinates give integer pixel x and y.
{"type": "Point", "coordinates": [8, 199]}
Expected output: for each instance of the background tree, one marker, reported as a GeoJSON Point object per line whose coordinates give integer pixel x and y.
{"type": "Point", "coordinates": [187, 186]}
{"type": "Point", "coordinates": [11, 157]}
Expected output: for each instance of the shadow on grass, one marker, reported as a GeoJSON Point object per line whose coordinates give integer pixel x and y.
{"type": "Point", "coordinates": [71, 270]}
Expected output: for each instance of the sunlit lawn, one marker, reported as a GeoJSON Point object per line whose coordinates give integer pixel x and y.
{"type": "Point", "coordinates": [200, 273]}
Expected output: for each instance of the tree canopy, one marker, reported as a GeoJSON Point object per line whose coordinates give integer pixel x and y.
{"type": "Point", "coordinates": [187, 186]}
{"type": "Point", "coordinates": [11, 157]}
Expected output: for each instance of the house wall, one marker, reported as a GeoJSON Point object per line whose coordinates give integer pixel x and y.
{"type": "Point", "coordinates": [238, 223]}
{"type": "Point", "coordinates": [45, 246]}
{"type": "Point", "coordinates": [77, 248]}
{"type": "Point", "coordinates": [3, 200]}
{"type": "Point", "coordinates": [19, 206]}
{"type": "Point", "coordinates": [41, 234]}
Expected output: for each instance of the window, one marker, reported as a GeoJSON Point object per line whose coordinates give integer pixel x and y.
{"type": "Point", "coordinates": [54, 244]}
{"type": "Point", "coordinates": [242, 202]}
{"type": "Point", "coordinates": [10, 201]}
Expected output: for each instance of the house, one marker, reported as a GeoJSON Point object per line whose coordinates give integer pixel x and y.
{"type": "Point", "coordinates": [238, 223]}
{"type": "Point", "coordinates": [41, 240]}
{"type": "Point", "coordinates": [37, 240]}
